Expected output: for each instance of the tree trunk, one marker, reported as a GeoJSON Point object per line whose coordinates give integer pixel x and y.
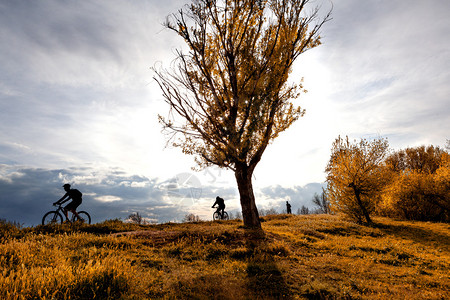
{"type": "Point", "coordinates": [249, 211]}
{"type": "Point", "coordinates": [361, 205]}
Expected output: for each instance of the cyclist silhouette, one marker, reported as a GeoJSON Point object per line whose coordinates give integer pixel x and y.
{"type": "Point", "coordinates": [73, 194]}
{"type": "Point", "coordinates": [220, 205]}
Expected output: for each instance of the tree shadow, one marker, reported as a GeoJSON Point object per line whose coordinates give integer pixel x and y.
{"type": "Point", "coordinates": [261, 277]}
{"type": "Point", "coordinates": [418, 235]}
{"type": "Point", "coordinates": [265, 280]}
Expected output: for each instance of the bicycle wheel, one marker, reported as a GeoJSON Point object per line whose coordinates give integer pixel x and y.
{"type": "Point", "coordinates": [85, 217]}
{"type": "Point", "coordinates": [225, 216]}
{"type": "Point", "coordinates": [52, 217]}
{"type": "Point", "coordinates": [216, 216]}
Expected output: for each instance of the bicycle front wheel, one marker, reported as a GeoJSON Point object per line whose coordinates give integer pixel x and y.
{"type": "Point", "coordinates": [216, 216]}
{"type": "Point", "coordinates": [84, 217]}
{"type": "Point", "coordinates": [52, 217]}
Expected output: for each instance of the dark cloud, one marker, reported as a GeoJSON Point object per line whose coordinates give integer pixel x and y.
{"type": "Point", "coordinates": [27, 193]}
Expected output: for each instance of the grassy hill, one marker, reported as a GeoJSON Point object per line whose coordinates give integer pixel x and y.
{"type": "Point", "coordinates": [298, 257]}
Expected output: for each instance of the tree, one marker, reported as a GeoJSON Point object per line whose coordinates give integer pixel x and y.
{"type": "Point", "coordinates": [421, 159]}
{"type": "Point", "coordinates": [228, 95]}
{"type": "Point", "coordinates": [271, 211]}
{"type": "Point", "coordinates": [191, 218]}
{"type": "Point", "coordinates": [419, 188]}
{"type": "Point", "coordinates": [356, 177]}
{"type": "Point", "coordinates": [136, 218]}
{"type": "Point", "coordinates": [303, 210]}
{"type": "Point", "coordinates": [322, 201]}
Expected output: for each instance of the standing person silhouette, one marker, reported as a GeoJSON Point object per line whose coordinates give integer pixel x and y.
{"type": "Point", "coordinates": [220, 206]}
{"type": "Point", "coordinates": [288, 208]}
{"type": "Point", "coordinates": [73, 194]}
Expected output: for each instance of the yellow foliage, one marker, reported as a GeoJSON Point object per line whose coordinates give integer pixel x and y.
{"type": "Point", "coordinates": [420, 185]}
{"type": "Point", "coordinates": [45, 267]}
{"type": "Point", "coordinates": [355, 176]}
{"type": "Point", "coordinates": [230, 92]}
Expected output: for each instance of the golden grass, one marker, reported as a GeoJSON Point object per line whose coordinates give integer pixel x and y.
{"type": "Point", "coordinates": [298, 257]}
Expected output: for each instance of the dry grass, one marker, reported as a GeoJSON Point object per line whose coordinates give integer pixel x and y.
{"type": "Point", "coordinates": [298, 257]}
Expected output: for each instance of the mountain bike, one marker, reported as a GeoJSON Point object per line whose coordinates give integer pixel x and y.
{"type": "Point", "coordinates": [56, 216]}
{"type": "Point", "coordinates": [217, 215]}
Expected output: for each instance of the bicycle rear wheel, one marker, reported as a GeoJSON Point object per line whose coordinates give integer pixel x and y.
{"type": "Point", "coordinates": [225, 216]}
{"type": "Point", "coordinates": [85, 217]}
{"type": "Point", "coordinates": [52, 217]}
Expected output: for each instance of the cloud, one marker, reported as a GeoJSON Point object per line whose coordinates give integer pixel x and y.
{"type": "Point", "coordinates": [80, 43]}
{"type": "Point", "coordinates": [389, 69]}
{"type": "Point", "coordinates": [298, 196]}
{"type": "Point", "coordinates": [108, 198]}
{"type": "Point", "coordinates": [27, 193]}
{"type": "Point", "coordinates": [76, 85]}
{"type": "Point", "coordinates": [382, 70]}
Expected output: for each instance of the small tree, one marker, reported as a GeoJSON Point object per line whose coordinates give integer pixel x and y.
{"type": "Point", "coordinates": [136, 218]}
{"type": "Point", "coordinates": [231, 90]}
{"type": "Point", "coordinates": [356, 177]}
{"type": "Point", "coordinates": [271, 211]}
{"type": "Point", "coordinates": [322, 201]}
{"type": "Point", "coordinates": [303, 210]}
{"type": "Point", "coordinates": [191, 218]}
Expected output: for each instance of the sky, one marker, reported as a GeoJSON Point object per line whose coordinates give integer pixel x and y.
{"type": "Point", "coordinates": [79, 105]}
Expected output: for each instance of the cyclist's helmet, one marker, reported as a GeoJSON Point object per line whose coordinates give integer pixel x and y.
{"type": "Point", "coordinates": [66, 185]}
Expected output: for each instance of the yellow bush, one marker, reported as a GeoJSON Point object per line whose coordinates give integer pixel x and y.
{"type": "Point", "coordinates": [420, 193]}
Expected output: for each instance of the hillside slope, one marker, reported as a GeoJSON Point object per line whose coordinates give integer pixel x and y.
{"type": "Point", "coordinates": [298, 257]}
